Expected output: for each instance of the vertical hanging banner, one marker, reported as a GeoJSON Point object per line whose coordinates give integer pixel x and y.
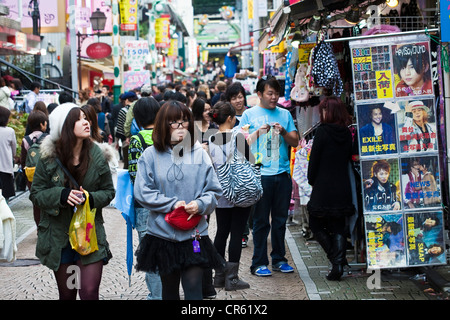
{"type": "Point", "coordinates": [445, 20]}
{"type": "Point", "coordinates": [128, 15]}
{"type": "Point", "coordinates": [173, 48]}
{"type": "Point", "coordinates": [136, 53]}
{"type": "Point", "coordinates": [162, 31]}
{"type": "Point", "coordinates": [401, 183]}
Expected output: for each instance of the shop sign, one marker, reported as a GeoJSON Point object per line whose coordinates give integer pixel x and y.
{"type": "Point", "coordinates": [128, 15]}
{"type": "Point", "coordinates": [98, 50]}
{"type": "Point", "coordinates": [136, 53]}
{"type": "Point", "coordinates": [162, 31]}
{"type": "Point", "coordinates": [134, 79]}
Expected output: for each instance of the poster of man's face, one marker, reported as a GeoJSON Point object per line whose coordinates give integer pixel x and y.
{"type": "Point", "coordinates": [381, 185]}
{"type": "Point", "coordinates": [425, 238]}
{"type": "Point", "coordinates": [412, 69]}
{"type": "Point", "coordinates": [377, 134]}
{"type": "Point", "coordinates": [417, 126]}
{"type": "Point", "coordinates": [421, 182]}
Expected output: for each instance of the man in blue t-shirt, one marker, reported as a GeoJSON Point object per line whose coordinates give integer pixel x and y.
{"type": "Point", "coordinates": [271, 132]}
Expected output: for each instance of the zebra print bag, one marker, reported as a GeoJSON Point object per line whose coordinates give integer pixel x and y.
{"type": "Point", "coordinates": [240, 180]}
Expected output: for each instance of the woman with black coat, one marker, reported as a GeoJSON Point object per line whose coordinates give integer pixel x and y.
{"type": "Point", "coordinates": [331, 196]}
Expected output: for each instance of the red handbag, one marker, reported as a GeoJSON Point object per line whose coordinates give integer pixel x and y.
{"type": "Point", "coordinates": [178, 219]}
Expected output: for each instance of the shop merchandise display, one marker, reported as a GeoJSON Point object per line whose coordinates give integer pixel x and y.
{"type": "Point", "coordinates": [397, 129]}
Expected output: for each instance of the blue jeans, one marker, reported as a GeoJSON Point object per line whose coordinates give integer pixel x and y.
{"type": "Point", "coordinates": [152, 279]}
{"type": "Point", "coordinates": [275, 203]}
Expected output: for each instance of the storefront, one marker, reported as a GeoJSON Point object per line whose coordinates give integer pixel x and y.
{"type": "Point", "coordinates": [388, 71]}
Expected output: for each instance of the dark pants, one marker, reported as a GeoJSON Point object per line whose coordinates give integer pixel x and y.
{"type": "Point", "coordinates": [274, 204]}
{"type": "Point", "coordinates": [231, 222]}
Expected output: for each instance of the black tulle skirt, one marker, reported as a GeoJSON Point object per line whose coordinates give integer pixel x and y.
{"type": "Point", "coordinates": [156, 254]}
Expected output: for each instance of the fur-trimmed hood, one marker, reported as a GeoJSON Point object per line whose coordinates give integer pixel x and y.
{"type": "Point", "coordinates": [48, 151]}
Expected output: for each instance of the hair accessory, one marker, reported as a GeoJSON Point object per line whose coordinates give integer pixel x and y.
{"type": "Point", "coordinates": [215, 115]}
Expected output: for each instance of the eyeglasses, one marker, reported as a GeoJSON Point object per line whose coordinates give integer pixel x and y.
{"type": "Point", "coordinates": [176, 125]}
{"type": "Point", "coordinates": [267, 77]}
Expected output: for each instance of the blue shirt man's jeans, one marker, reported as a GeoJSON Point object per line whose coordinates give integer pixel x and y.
{"type": "Point", "coordinates": [275, 203]}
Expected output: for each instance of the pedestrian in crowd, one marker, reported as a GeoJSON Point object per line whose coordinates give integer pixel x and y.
{"type": "Point", "coordinates": [54, 192]}
{"type": "Point", "coordinates": [7, 153]}
{"type": "Point", "coordinates": [231, 220]}
{"type": "Point", "coordinates": [128, 97]}
{"type": "Point", "coordinates": [51, 107]}
{"type": "Point", "coordinates": [95, 102]}
{"type": "Point", "coordinates": [31, 97]}
{"type": "Point", "coordinates": [37, 123]}
{"type": "Point", "coordinates": [205, 89]}
{"type": "Point", "coordinates": [65, 97]}
{"type": "Point", "coordinates": [176, 172]}
{"type": "Point", "coordinates": [38, 107]}
{"type": "Point", "coordinates": [220, 88]}
{"type": "Point", "coordinates": [84, 96]}
{"type": "Point", "coordinates": [114, 115]}
{"type": "Point", "coordinates": [145, 111]}
{"type": "Point", "coordinates": [5, 95]}
{"type": "Point", "coordinates": [97, 134]}
{"type": "Point", "coordinates": [328, 174]}
{"type": "Point", "coordinates": [235, 94]}
{"type": "Point", "coordinates": [272, 131]}
{"type": "Point", "coordinates": [203, 124]}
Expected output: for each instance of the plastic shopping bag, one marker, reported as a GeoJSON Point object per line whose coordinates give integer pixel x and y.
{"type": "Point", "coordinates": [82, 235]}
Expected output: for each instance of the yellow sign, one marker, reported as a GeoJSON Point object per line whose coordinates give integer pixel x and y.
{"type": "Point", "coordinates": [250, 9]}
{"type": "Point", "coordinates": [173, 48]}
{"type": "Point", "coordinates": [162, 31]}
{"type": "Point", "coordinates": [128, 15]}
{"type": "Point", "coordinates": [384, 84]}
{"type": "Point", "coordinates": [304, 50]}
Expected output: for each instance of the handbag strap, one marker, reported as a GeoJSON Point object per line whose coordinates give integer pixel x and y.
{"type": "Point", "coordinates": [67, 173]}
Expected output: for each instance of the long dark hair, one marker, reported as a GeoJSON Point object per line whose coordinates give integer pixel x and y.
{"type": "Point", "coordinates": [91, 115]}
{"type": "Point", "coordinates": [64, 147]}
{"type": "Point", "coordinates": [336, 111]}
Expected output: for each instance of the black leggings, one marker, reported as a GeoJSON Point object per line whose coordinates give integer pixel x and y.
{"type": "Point", "coordinates": [331, 225]}
{"type": "Point", "coordinates": [231, 221]}
{"type": "Point", "coordinates": [191, 280]}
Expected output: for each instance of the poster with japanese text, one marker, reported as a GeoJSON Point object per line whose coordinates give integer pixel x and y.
{"type": "Point", "coordinates": [421, 187]}
{"type": "Point", "coordinates": [372, 72]}
{"type": "Point", "coordinates": [377, 134]}
{"type": "Point", "coordinates": [398, 147]}
{"type": "Point", "coordinates": [412, 69]}
{"type": "Point", "coordinates": [381, 185]}
{"type": "Point", "coordinates": [385, 238]}
{"type": "Point", "coordinates": [425, 238]}
{"type": "Point", "coordinates": [416, 120]}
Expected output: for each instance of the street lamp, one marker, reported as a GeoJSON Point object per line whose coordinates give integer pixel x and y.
{"type": "Point", "coordinates": [98, 21]}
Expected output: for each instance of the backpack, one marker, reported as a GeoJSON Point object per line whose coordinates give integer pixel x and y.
{"type": "Point", "coordinates": [33, 155]}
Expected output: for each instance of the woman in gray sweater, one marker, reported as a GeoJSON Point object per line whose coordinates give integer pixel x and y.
{"type": "Point", "coordinates": [175, 172]}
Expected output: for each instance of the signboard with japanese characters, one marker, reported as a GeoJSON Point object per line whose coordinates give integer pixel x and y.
{"type": "Point", "coordinates": [398, 148]}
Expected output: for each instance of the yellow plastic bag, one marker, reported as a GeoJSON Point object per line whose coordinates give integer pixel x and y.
{"type": "Point", "coordinates": [82, 235]}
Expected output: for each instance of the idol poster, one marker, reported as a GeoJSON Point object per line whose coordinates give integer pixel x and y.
{"type": "Point", "coordinates": [425, 238]}
{"type": "Point", "coordinates": [385, 238]}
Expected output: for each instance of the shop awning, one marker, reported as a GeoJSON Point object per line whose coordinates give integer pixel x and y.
{"type": "Point", "coordinates": [277, 27]}
{"type": "Point", "coordinates": [176, 20]}
{"type": "Point", "coordinates": [98, 67]}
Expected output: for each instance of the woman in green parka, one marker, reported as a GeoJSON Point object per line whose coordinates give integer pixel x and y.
{"type": "Point", "coordinates": [53, 192]}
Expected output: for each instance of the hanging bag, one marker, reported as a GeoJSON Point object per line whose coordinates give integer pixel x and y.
{"type": "Point", "coordinates": [82, 234]}
{"type": "Point", "coordinates": [240, 180]}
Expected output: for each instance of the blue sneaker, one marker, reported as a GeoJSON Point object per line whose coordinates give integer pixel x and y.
{"type": "Point", "coordinates": [283, 267]}
{"type": "Point", "coordinates": [262, 271]}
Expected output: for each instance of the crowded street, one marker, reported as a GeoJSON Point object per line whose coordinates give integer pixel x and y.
{"type": "Point", "coordinates": [253, 156]}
